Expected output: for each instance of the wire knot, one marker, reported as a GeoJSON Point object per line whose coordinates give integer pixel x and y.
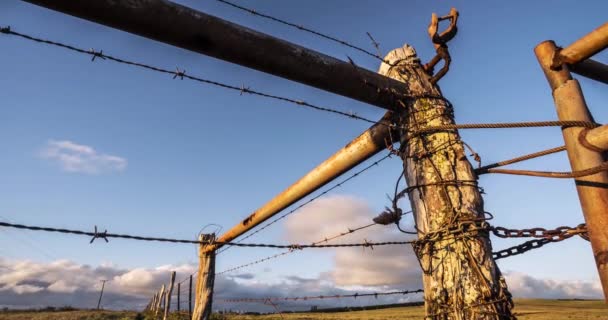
{"type": "Point", "coordinates": [99, 235]}
{"type": "Point", "coordinates": [6, 29]}
{"type": "Point", "coordinates": [96, 54]}
{"type": "Point", "coordinates": [367, 244]}
{"type": "Point", "coordinates": [179, 73]}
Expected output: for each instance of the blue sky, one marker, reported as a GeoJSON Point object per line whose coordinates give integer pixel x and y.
{"type": "Point", "coordinates": [197, 155]}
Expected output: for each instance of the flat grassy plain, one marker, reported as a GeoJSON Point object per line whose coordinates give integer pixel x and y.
{"type": "Point", "coordinates": [529, 309]}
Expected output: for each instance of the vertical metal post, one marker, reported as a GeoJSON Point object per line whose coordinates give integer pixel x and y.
{"type": "Point", "coordinates": [103, 284]}
{"type": "Point", "coordinates": [178, 296]}
{"type": "Point", "coordinates": [592, 190]}
{"type": "Point", "coordinates": [190, 298]}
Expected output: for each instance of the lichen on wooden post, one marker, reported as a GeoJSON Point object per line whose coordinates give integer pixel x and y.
{"type": "Point", "coordinates": [205, 279]}
{"type": "Point", "coordinates": [460, 278]}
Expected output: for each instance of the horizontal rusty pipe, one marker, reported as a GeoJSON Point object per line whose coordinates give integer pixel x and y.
{"type": "Point", "coordinates": [369, 143]}
{"type": "Point", "coordinates": [585, 47]}
{"type": "Point", "coordinates": [591, 69]}
{"type": "Point", "coordinates": [595, 139]}
{"type": "Point", "coordinates": [196, 31]}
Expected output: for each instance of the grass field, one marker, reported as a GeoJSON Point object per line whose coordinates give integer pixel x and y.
{"type": "Point", "coordinates": [525, 310]}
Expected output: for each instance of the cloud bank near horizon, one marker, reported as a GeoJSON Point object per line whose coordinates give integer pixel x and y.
{"type": "Point", "coordinates": [27, 284]}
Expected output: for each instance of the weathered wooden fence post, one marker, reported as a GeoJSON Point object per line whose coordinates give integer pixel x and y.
{"type": "Point", "coordinates": [205, 279]}
{"type": "Point", "coordinates": [161, 295]}
{"type": "Point", "coordinates": [461, 280]}
{"type": "Point", "coordinates": [190, 298]}
{"type": "Point", "coordinates": [593, 189]}
{"type": "Point", "coordinates": [168, 296]}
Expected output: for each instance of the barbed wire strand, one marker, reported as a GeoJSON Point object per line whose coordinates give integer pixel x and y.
{"type": "Point", "coordinates": [242, 89]}
{"type": "Point", "coordinates": [326, 239]}
{"type": "Point", "coordinates": [305, 29]}
{"type": "Point", "coordinates": [326, 191]}
{"type": "Point", "coordinates": [181, 74]}
{"type": "Point", "coordinates": [335, 296]}
{"type": "Point", "coordinates": [105, 235]}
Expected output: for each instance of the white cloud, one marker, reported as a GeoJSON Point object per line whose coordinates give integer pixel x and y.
{"type": "Point", "coordinates": [393, 266]}
{"type": "Point", "coordinates": [524, 286]}
{"type": "Point", "coordinates": [77, 158]}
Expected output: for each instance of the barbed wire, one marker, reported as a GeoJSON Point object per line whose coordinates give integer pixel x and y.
{"type": "Point", "coordinates": [105, 235]}
{"type": "Point", "coordinates": [306, 29]}
{"type": "Point", "coordinates": [181, 74]}
{"type": "Point", "coordinates": [335, 296]}
{"type": "Point", "coordinates": [326, 191]}
{"type": "Point", "coordinates": [326, 239]}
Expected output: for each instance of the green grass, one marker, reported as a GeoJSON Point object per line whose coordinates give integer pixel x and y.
{"type": "Point", "coordinates": [529, 309]}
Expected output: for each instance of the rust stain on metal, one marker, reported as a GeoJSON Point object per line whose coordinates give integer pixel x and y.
{"type": "Point", "coordinates": [601, 259]}
{"type": "Point", "coordinates": [583, 48]}
{"type": "Point", "coordinates": [248, 219]}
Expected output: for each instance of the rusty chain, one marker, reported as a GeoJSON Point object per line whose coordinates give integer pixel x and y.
{"type": "Point", "coordinates": [544, 237]}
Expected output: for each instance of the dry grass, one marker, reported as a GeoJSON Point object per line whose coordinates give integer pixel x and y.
{"type": "Point", "coordinates": [525, 310]}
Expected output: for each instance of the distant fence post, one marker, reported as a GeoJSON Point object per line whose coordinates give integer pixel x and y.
{"type": "Point", "coordinates": [168, 296]}
{"type": "Point", "coordinates": [205, 279]}
{"type": "Point", "coordinates": [190, 299]}
{"type": "Point", "coordinates": [160, 300]}
{"type": "Point", "coordinates": [178, 294]}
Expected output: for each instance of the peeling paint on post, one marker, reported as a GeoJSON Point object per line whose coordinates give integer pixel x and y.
{"type": "Point", "coordinates": [204, 280]}
{"type": "Point", "coordinates": [461, 280]}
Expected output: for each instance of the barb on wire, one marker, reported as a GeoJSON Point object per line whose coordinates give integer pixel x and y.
{"type": "Point", "coordinates": [337, 185]}
{"type": "Point", "coordinates": [181, 74]}
{"type": "Point", "coordinates": [305, 29]}
{"type": "Point", "coordinates": [335, 296]}
{"type": "Point", "coordinates": [249, 245]}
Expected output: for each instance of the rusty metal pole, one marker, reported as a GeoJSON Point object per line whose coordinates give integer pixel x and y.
{"type": "Point", "coordinates": [596, 138]}
{"type": "Point", "coordinates": [196, 31]}
{"type": "Point", "coordinates": [585, 47]}
{"type": "Point", "coordinates": [591, 69]}
{"type": "Point", "coordinates": [360, 149]}
{"type": "Point", "coordinates": [592, 190]}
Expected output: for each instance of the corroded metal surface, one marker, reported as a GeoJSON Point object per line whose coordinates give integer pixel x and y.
{"type": "Point", "coordinates": [360, 149]}
{"type": "Point", "coordinates": [193, 30]}
{"type": "Point", "coordinates": [591, 69]}
{"type": "Point", "coordinates": [583, 48]}
{"type": "Point", "coordinates": [592, 190]}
